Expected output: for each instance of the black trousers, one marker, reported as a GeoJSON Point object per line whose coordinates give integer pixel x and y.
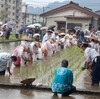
{"type": "Point", "coordinates": [96, 70]}
{"type": "Point", "coordinates": [73, 89]}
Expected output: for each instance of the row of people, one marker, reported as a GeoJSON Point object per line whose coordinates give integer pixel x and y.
{"type": "Point", "coordinates": [37, 50]}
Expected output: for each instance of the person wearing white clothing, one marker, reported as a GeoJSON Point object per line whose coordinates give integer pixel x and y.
{"type": "Point", "coordinates": [47, 36]}
{"type": "Point", "coordinates": [34, 50]}
{"type": "Point", "coordinates": [93, 58]}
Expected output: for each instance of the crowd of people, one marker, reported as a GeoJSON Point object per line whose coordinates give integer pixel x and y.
{"type": "Point", "coordinates": [51, 43]}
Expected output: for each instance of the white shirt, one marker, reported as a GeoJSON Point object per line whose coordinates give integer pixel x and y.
{"type": "Point", "coordinates": [5, 61]}
{"type": "Point", "coordinates": [90, 54]}
{"type": "Point", "coordinates": [18, 51]}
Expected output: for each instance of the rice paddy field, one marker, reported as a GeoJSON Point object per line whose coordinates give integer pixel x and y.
{"type": "Point", "coordinates": [43, 70]}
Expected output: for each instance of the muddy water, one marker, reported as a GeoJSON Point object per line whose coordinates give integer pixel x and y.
{"type": "Point", "coordinates": [43, 71]}
{"type": "Point", "coordinates": [8, 47]}
{"type": "Point", "coordinates": [34, 94]}
{"type": "Point", "coordinates": [40, 69]}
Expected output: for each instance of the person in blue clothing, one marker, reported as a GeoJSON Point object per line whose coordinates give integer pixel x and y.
{"type": "Point", "coordinates": [63, 80]}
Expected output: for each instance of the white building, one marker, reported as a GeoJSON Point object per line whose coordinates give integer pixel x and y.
{"type": "Point", "coordinates": [71, 15]}
{"type": "Point", "coordinates": [29, 18]}
{"type": "Point", "coordinates": [10, 10]}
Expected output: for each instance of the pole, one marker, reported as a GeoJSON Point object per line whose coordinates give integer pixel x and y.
{"type": "Point", "coordinates": [43, 16]}
{"type": "Point", "coordinates": [25, 12]}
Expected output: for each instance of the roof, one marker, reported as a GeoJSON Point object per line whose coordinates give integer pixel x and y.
{"type": "Point", "coordinates": [70, 6]}
{"type": "Point", "coordinates": [97, 12]}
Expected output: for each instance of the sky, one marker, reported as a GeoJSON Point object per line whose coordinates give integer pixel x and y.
{"type": "Point", "coordinates": [40, 3]}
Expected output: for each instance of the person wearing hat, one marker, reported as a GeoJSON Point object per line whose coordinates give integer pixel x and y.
{"type": "Point", "coordinates": [47, 35]}
{"type": "Point", "coordinates": [47, 48]}
{"type": "Point", "coordinates": [63, 80]}
{"type": "Point", "coordinates": [23, 54]}
{"type": "Point", "coordinates": [5, 62]}
{"type": "Point", "coordinates": [25, 41]}
{"type": "Point", "coordinates": [92, 58]}
{"type": "Point", "coordinates": [61, 40]}
{"type": "Point", "coordinates": [34, 46]}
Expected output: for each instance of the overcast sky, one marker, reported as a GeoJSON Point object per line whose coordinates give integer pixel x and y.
{"type": "Point", "coordinates": [41, 2]}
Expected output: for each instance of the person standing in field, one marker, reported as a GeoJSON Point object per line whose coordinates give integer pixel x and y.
{"type": "Point", "coordinates": [5, 62]}
{"type": "Point", "coordinates": [92, 59]}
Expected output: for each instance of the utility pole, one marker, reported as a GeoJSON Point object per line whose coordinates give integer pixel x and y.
{"type": "Point", "coordinates": [25, 13]}
{"type": "Point", "coordinates": [43, 16]}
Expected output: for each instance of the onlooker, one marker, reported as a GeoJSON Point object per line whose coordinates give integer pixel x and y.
{"type": "Point", "coordinates": [5, 62]}
{"type": "Point", "coordinates": [63, 80]}
{"type": "Point", "coordinates": [8, 31]}
{"type": "Point", "coordinates": [17, 32]}
{"type": "Point", "coordinates": [47, 36]}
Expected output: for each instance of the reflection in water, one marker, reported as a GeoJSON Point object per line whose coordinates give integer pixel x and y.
{"type": "Point", "coordinates": [8, 47]}
{"type": "Point", "coordinates": [27, 92]}
{"type": "Point", "coordinates": [60, 97]}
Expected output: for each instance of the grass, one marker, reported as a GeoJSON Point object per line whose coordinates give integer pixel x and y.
{"type": "Point", "coordinates": [12, 38]}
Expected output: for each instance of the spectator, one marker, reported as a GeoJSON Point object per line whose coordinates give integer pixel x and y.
{"type": "Point", "coordinates": [63, 80]}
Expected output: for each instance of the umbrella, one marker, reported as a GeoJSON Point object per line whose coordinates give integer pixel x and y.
{"type": "Point", "coordinates": [37, 24]}
{"type": "Point", "coordinates": [51, 27]}
{"type": "Point", "coordinates": [77, 28]}
{"type": "Point", "coordinates": [44, 28]}
{"type": "Point", "coordinates": [4, 25]}
{"type": "Point", "coordinates": [11, 23]}
{"type": "Point", "coordinates": [31, 26]}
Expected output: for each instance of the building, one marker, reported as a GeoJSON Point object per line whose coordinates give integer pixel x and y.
{"type": "Point", "coordinates": [29, 18]}
{"type": "Point", "coordinates": [70, 16]}
{"type": "Point", "coordinates": [10, 10]}
{"type": "Point", "coordinates": [98, 12]}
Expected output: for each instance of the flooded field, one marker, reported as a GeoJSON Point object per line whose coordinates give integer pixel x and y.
{"type": "Point", "coordinates": [42, 70]}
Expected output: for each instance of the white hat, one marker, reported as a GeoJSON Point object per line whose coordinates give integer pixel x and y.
{"type": "Point", "coordinates": [1, 33]}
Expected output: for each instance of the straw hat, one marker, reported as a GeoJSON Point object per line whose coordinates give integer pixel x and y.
{"type": "Point", "coordinates": [28, 81]}
{"type": "Point", "coordinates": [37, 44]}
{"type": "Point", "coordinates": [62, 34]}
{"type": "Point", "coordinates": [25, 38]}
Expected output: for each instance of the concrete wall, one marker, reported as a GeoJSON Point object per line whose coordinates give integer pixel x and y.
{"type": "Point", "coordinates": [84, 22]}
{"type": "Point", "coordinates": [69, 12]}
{"type": "Point", "coordinates": [52, 20]}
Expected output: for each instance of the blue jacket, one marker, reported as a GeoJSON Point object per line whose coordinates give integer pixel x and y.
{"type": "Point", "coordinates": [63, 80]}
